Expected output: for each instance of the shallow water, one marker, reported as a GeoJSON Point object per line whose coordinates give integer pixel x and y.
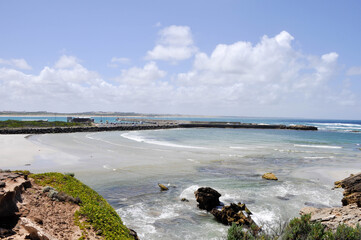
{"type": "Point", "coordinates": [125, 168]}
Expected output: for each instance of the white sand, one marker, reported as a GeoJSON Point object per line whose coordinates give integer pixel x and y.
{"type": "Point", "coordinates": [16, 151]}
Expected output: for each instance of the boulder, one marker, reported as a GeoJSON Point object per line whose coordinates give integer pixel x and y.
{"type": "Point", "coordinates": [234, 214]}
{"type": "Point", "coordinates": [162, 187]}
{"type": "Point", "coordinates": [352, 189]}
{"type": "Point", "coordinates": [269, 176]}
{"type": "Point", "coordinates": [207, 198]}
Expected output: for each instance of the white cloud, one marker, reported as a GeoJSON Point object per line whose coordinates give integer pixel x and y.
{"type": "Point", "coordinates": [146, 75]}
{"type": "Point", "coordinates": [354, 71]}
{"type": "Point", "coordinates": [66, 61]}
{"type": "Point", "coordinates": [270, 72]}
{"type": "Point", "coordinates": [268, 78]}
{"type": "Point", "coordinates": [175, 43]}
{"type": "Point", "coordinates": [19, 63]}
{"type": "Point", "coordinates": [115, 62]}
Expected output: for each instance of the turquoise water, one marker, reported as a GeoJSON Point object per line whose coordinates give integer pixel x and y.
{"type": "Point", "coordinates": [125, 167]}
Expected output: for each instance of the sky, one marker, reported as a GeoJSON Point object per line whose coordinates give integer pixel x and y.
{"type": "Point", "coordinates": [252, 58]}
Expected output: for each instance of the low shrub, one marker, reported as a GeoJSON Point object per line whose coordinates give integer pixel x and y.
{"type": "Point", "coordinates": [299, 229]}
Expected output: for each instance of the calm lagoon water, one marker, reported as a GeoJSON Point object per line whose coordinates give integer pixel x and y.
{"type": "Point", "coordinates": [125, 168]}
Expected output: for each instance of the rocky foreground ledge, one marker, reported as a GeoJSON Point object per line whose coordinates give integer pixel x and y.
{"type": "Point", "coordinates": [55, 206]}
{"type": "Point", "coordinates": [349, 214]}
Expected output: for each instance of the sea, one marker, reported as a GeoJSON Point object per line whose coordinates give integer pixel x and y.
{"type": "Point", "coordinates": [125, 167]}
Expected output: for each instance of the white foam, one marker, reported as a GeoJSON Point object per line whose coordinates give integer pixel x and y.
{"type": "Point", "coordinates": [236, 147]}
{"type": "Point", "coordinates": [339, 124]}
{"type": "Point", "coordinates": [319, 157]}
{"type": "Point", "coordinates": [90, 136]}
{"type": "Point", "coordinates": [263, 216]}
{"type": "Point", "coordinates": [316, 146]}
{"type": "Point", "coordinates": [135, 136]}
{"type": "Point", "coordinates": [192, 160]}
{"type": "Point", "coordinates": [109, 167]}
{"type": "Point", "coordinates": [188, 193]}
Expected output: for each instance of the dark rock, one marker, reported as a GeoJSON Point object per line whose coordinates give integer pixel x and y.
{"type": "Point", "coordinates": [63, 197]}
{"type": "Point", "coordinates": [133, 234]}
{"type": "Point", "coordinates": [2, 184]}
{"type": "Point", "coordinates": [234, 214]}
{"type": "Point", "coordinates": [6, 232]}
{"type": "Point", "coordinates": [352, 189]}
{"type": "Point", "coordinates": [207, 198]}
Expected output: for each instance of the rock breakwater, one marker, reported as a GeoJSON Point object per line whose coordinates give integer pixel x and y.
{"type": "Point", "coordinates": [155, 125]}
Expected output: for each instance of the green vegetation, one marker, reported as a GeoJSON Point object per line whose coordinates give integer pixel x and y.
{"type": "Point", "coordinates": [300, 229]}
{"type": "Point", "coordinates": [37, 124]}
{"type": "Point", "coordinates": [96, 211]}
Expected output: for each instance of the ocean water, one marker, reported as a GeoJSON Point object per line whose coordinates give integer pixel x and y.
{"type": "Point", "coordinates": [125, 167]}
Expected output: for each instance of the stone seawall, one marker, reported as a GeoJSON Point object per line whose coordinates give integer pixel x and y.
{"type": "Point", "coordinates": [81, 129]}
{"type": "Point", "coordinates": [247, 125]}
{"type": "Point", "coordinates": [148, 127]}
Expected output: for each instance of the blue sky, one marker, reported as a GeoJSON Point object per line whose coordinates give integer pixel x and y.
{"type": "Point", "coordinates": [245, 58]}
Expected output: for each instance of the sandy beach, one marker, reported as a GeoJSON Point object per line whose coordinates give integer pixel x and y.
{"type": "Point", "coordinates": [17, 151]}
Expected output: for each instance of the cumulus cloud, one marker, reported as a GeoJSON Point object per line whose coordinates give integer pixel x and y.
{"type": "Point", "coordinates": [115, 62]}
{"type": "Point", "coordinates": [267, 78]}
{"type": "Point", "coordinates": [19, 63]}
{"type": "Point", "coordinates": [354, 71]}
{"type": "Point", "coordinates": [69, 86]}
{"type": "Point", "coordinates": [175, 43]}
{"type": "Point", "coordinates": [264, 73]}
{"type": "Point", "coordinates": [146, 75]}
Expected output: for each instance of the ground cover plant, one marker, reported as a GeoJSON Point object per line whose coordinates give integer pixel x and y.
{"type": "Point", "coordinates": [96, 211]}
{"type": "Point", "coordinates": [299, 229]}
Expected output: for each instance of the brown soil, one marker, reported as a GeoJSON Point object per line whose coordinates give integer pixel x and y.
{"type": "Point", "coordinates": [53, 218]}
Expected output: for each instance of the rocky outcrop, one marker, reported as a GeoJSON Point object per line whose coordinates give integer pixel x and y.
{"type": "Point", "coordinates": [352, 189]}
{"type": "Point", "coordinates": [234, 213]}
{"type": "Point", "coordinates": [269, 176]}
{"type": "Point", "coordinates": [349, 213]}
{"type": "Point", "coordinates": [207, 198]}
{"type": "Point", "coordinates": [332, 217]}
{"type": "Point", "coordinates": [28, 212]}
{"type": "Point", "coordinates": [13, 184]}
